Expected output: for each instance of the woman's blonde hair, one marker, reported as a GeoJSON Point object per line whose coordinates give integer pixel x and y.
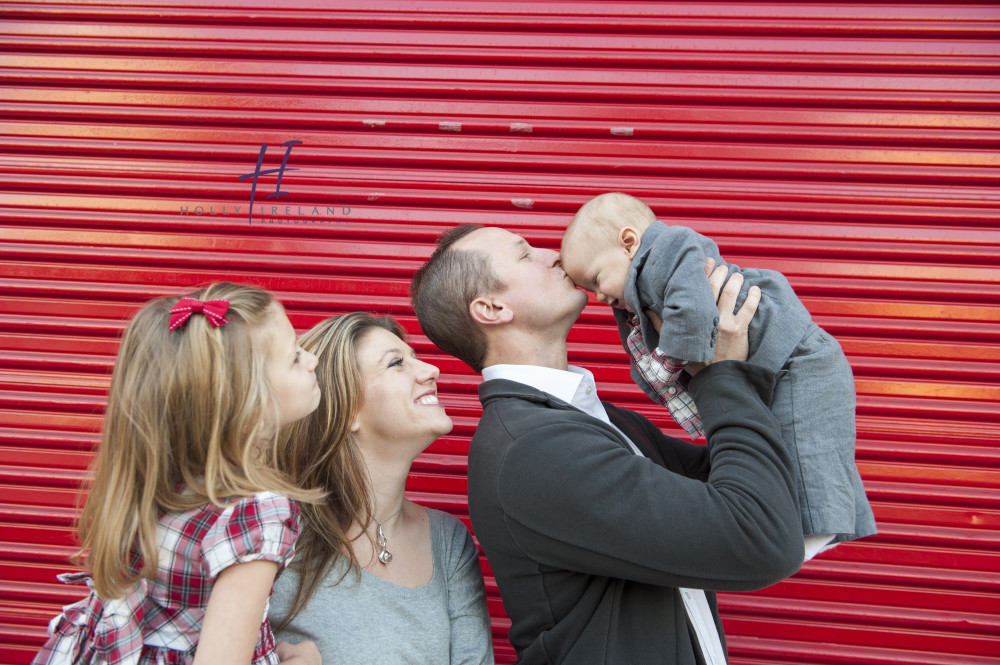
{"type": "Point", "coordinates": [321, 451]}
{"type": "Point", "coordinates": [183, 428]}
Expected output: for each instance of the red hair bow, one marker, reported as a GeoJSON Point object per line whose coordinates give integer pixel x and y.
{"type": "Point", "coordinates": [214, 311]}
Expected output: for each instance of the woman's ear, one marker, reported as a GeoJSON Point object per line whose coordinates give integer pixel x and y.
{"type": "Point", "coordinates": [488, 311]}
{"type": "Point", "coordinates": [629, 239]}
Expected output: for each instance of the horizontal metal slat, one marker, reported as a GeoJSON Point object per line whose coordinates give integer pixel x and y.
{"type": "Point", "coordinates": [727, 117]}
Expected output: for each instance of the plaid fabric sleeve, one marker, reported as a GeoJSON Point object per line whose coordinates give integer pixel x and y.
{"type": "Point", "coordinates": [661, 374]}
{"type": "Point", "coordinates": [258, 528]}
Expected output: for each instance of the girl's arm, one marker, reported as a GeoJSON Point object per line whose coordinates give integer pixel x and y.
{"type": "Point", "coordinates": [233, 617]}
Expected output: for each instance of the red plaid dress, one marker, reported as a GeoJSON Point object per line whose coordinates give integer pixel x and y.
{"type": "Point", "coordinates": [158, 622]}
{"type": "Point", "coordinates": [661, 373]}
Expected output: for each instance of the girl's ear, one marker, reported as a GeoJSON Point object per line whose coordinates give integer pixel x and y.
{"type": "Point", "coordinates": [629, 239]}
{"type": "Point", "coordinates": [488, 311]}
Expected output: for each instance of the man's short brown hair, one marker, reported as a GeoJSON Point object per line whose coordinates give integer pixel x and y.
{"type": "Point", "coordinates": [442, 290]}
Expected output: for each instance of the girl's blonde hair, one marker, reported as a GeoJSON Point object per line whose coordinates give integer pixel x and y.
{"type": "Point", "coordinates": [321, 451]}
{"type": "Point", "coordinates": [183, 428]}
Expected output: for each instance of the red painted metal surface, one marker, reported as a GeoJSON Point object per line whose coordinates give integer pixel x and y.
{"type": "Point", "coordinates": [855, 147]}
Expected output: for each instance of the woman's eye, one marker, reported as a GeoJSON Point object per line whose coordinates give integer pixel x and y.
{"type": "Point", "coordinates": [396, 362]}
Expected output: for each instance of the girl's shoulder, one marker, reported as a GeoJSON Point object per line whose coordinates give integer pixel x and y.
{"type": "Point", "coordinates": [253, 528]}
{"type": "Point", "coordinates": [260, 507]}
{"type": "Point", "coordinates": [262, 504]}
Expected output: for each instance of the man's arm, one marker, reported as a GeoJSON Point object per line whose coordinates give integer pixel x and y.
{"type": "Point", "coordinates": [577, 501]}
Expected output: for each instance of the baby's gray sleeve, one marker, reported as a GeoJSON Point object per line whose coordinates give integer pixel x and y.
{"type": "Point", "coordinates": [674, 277]}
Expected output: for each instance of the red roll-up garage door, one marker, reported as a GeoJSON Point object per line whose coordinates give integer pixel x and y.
{"type": "Point", "coordinates": [854, 147]}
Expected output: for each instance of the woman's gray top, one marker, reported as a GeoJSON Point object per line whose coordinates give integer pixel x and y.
{"type": "Point", "coordinates": [443, 621]}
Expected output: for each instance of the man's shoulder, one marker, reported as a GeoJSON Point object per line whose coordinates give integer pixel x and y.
{"type": "Point", "coordinates": [513, 410]}
{"type": "Point", "coordinates": [496, 389]}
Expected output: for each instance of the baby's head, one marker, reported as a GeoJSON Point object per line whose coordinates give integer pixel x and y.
{"type": "Point", "coordinates": [601, 242]}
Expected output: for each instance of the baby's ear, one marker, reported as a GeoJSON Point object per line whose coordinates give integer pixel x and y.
{"type": "Point", "coordinates": [629, 240]}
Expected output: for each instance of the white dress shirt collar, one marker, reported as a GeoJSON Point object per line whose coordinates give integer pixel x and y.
{"type": "Point", "coordinates": [574, 385]}
{"type": "Point", "coordinates": [561, 384]}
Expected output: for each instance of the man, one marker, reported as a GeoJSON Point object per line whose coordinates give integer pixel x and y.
{"type": "Point", "coordinates": [601, 531]}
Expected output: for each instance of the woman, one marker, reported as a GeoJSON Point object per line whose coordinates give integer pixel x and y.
{"type": "Point", "coordinates": [376, 577]}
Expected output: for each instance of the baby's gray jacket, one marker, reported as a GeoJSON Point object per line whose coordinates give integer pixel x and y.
{"type": "Point", "coordinates": [667, 275]}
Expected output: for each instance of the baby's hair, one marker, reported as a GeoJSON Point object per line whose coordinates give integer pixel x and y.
{"type": "Point", "coordinates": [183, 428]}
{"type": "Point", "coordinates": [602, 217]}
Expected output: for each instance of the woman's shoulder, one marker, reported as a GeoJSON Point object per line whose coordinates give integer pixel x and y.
{"type": "Point", "coordinates": [450, 538]}
{"type": "Point", "coordinates": [446, 522]}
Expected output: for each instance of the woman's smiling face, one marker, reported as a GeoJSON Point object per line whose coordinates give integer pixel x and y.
{"type": "Point", "coordinates": [400, 393]}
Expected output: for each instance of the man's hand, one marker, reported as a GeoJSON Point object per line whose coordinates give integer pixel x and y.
{"type": "Point", "coordinates": [732, 342]}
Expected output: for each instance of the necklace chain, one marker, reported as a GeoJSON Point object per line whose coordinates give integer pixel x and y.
{"type": "Point", "coordinates": [384, 555]}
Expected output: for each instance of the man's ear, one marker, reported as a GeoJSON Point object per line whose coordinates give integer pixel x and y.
{"type": "Point", "coordinates": [488, 311]}
{"type": "Point", "coordinates": [629, 240]}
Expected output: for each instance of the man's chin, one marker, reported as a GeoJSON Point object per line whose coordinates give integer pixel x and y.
{"type": "Point", "coordinates": [582, 302]}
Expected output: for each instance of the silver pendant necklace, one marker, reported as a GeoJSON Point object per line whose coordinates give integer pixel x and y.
{"type": "Point", "coordinates": [384, 555]}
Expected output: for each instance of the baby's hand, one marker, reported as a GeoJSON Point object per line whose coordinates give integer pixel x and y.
{"type": "Point", "coordinates": [301, 653]}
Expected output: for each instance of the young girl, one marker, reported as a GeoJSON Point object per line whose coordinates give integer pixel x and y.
{"type": "Point", "coordinates": [188, 522]}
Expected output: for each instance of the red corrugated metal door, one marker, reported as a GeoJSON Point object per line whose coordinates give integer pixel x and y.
{"type": "Point", "coordinates": [852, 146]}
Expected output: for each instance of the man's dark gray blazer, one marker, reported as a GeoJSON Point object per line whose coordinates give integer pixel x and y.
{"type": "Point", "coordinates": [589, 542]}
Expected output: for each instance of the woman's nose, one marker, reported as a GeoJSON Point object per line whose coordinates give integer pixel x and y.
{"type": "Point", "coordinates": [428, 371]}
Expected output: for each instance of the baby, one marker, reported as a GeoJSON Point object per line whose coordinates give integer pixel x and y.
{"type": "Point", "coordinates": [617, 249]}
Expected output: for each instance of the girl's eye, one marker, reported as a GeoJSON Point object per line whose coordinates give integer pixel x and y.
{"type": "Point", "coordinates": [298, 356]}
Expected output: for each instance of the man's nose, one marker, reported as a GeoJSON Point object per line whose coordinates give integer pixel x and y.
{"type": "Point", "coordinates": [549, 256]}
